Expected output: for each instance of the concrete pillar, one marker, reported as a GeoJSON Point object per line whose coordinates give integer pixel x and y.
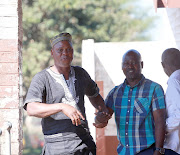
{"type": "Point", "coordinates": [10, 75]}
{"type": "Point", "coordinates": [89, 65]}
{"type": "Point", "coordinates": [106, 138]}
{"type": "Point", "coordinates": [174, 20]}
{"type": "Point", "coordinates": [88, 57]}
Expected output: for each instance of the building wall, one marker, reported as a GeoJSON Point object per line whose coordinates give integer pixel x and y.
{"type": "Point", "coordinates": [10, 74]}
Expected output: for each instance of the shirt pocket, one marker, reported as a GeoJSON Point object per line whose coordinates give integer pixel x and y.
{"type": "Point", "coordinates": [141, 106]}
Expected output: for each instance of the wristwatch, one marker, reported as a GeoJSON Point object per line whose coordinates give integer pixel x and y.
{"type": "Point", "coordinates": [161, 150]}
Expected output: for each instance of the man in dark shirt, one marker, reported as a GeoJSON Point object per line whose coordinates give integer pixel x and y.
{"type": "Point", "coordinates": [56, 95]}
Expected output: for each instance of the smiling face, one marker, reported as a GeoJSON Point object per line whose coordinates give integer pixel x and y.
{"type": "Point", "coordinates": [62, 53]}
{"type": "Point", "coordinates": [132, 66]}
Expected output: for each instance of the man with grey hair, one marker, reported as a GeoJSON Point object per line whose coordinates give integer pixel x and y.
{"type": "Point", "coordinates": [171, 66]}
{"type": "Point", "coordinates": [56, 95]}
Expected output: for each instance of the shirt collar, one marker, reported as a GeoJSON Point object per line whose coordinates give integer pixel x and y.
{"type": "Point", "coordinates": [71, 70]}
{"type": "Point", "coordinates": [71, 73]}
{"type": "Point", "coordinates": [138, 84]}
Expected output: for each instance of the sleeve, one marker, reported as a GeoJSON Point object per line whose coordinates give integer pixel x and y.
{"type": "Point", "coordinates": [109, 101]}
{"type": "Point", "coordinates": [175, 88]}
{"type": "Point", "coordinates": [158, 99]}
{"type": "Point", "coordinates": [91, 89]}
{"type": "Point", "coordinates": [36, 90]}
{"type": "Point", "coordinates": [173, 120]}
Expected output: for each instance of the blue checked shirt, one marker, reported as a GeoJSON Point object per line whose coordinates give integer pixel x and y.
{"type": "Point", "coordinates": [133, 109]}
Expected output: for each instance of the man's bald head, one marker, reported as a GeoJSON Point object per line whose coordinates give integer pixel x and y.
{"type": "Point", "coordinates": [171, 60]}
{"type": "Point", "coordinates": [132, 51]}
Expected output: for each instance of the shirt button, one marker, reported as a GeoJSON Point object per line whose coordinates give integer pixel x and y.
{"type": "Point", "coordinates": [129, 100]}
{"type": "Point", "coordinates": [130, 89]}
{"type": "Point", "coordinates": [126, 122]}
{"type": "Point", "coordinates": [126, 133]}
{"type": "Point", "coordinates": [127, 145]}
{"type": "Point", "coordinates": [128, 111]}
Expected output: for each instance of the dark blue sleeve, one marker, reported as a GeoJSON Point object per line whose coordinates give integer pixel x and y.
{"type": "Point", "coordinates": [158, 101]}
{"type": "Point", "coordinates": [109, 101]}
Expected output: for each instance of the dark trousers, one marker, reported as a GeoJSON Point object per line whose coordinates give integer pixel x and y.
{"type": "Point", "coordinates": [170, 152]}
{"type": "Point", "coordinates": [85, 151]}
{"type": "Point", "coordinates": [148, 151]}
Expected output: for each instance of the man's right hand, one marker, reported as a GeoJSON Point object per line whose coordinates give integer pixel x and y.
{"type": "Point", "coordinates": [101, 119]}
{"type": "Point", "coordinates": [71, 112]}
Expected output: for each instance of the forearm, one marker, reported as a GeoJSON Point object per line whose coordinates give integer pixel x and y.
{"type": "Point", "coordinates": [159, 135]}
{"type": "Point", "coordinates": [159, 118]}
{"type": "Point", "coordinates": [98, 103]}
{"type": "Point", "coordinates": [43, 110]}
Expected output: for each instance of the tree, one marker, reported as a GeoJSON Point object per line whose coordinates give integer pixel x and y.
{"type": "Point", "coordinates": [101, 20]}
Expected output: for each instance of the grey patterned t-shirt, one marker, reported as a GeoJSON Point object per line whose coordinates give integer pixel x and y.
{"type": "Point", "coordinates": [45, 88]}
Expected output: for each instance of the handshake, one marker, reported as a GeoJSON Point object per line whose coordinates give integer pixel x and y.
{"type": "Point", "coordinates": [101, 119]}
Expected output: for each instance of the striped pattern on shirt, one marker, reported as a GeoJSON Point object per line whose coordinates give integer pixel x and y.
{"type": "Point", "coordinates": [133, 109]}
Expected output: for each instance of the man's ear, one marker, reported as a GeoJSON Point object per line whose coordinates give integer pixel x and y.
{"type": "Point", "coordinates": [162, 64]}
{"type": "Point", "coordinates": [142, 64]}
{"type": "Point", "coordinates": [51, 52]}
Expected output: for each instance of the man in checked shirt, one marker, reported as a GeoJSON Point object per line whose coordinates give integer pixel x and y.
{"type": "Point", "coordinates": [139, 108]}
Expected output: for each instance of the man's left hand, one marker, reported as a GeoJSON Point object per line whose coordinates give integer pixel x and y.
{"type": "Point", "coordinates": [100, 125]}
